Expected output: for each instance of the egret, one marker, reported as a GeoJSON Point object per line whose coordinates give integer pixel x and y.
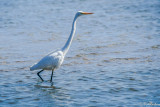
{"type": "Point", "coordinates": [54, 60]}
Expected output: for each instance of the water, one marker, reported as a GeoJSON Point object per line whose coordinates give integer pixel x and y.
{"type": "Point", "coordinates": [113, 61]}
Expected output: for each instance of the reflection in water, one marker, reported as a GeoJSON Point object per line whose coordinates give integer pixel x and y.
{"type": "Point", "coordinates": [51, 92]}
{"type": "Point", "coordinates": [45, 86]}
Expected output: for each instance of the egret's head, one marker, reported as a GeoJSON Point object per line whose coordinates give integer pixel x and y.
{"type": "Point", "coordinates": [80, 13]}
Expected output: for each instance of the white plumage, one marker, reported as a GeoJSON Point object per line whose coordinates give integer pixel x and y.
{"type": "Point", "coordinates": [50, 62]}
{"type": "Point", "coordinates": [54, 60]}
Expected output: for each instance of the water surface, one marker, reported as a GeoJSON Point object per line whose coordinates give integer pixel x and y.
{"type": "Point", "coordinates": [113, 60]}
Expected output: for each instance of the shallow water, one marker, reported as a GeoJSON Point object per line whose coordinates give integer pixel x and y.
{"type": "Point", "coordinates": [113, 61]}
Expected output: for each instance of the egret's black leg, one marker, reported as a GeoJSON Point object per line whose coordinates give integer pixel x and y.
{"type": "Point", "coordinates": [39, 75]}
{"type": "Point", "coordinates": [51, 83]}
{"type": "Point", "coordinates": [51, 76]}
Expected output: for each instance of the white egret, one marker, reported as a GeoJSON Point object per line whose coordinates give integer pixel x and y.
{"type": "Point", "coordinates": [54, 60]}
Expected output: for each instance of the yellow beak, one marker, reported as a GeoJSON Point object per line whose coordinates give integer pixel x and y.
{"type": "Point", "coordinates": [86, 13]}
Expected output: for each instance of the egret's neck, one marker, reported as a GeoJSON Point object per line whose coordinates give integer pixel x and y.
{"type": "Point", "coordinates": [69, 41]}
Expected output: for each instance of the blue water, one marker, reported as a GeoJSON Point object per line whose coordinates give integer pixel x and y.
{"type": "Point", "coordinates": [113, 60]}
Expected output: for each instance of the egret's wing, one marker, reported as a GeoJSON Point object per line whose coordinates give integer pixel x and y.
{"type": "Point", "coordinates": [43, 63]}
{"type": "Point", "coordinates": [49, 62]}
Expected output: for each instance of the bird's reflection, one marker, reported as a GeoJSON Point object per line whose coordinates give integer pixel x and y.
{"type": "Point", "coordinates": [49, 91]}
{"type": "Point", "coordinates": [45, 84]}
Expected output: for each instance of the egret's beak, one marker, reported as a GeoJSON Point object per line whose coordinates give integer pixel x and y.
{"type": "Point", "coordinates": [86, 13]}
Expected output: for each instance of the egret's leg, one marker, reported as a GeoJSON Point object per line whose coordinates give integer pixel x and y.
{"type": "Point", "coordinates": [39, 75]}
{"type": "Point", "coordinates": [51, 83]}
{"type": "Point", "coordinates": [51, 76]}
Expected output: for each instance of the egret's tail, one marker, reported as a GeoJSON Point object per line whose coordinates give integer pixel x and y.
{"type": "Point", "coordinates": [34, 67]}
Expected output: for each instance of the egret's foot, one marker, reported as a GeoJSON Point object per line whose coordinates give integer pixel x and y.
{"type": "Point", "coordinates": [52, 83]}
{"type": "Point", "coordinates": [41, 80]}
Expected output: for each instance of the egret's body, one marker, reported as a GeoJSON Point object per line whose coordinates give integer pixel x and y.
{"type": "Point", "coordinates": [50, 62]}
{"type": "Point", "coordinates": [54, 60]}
